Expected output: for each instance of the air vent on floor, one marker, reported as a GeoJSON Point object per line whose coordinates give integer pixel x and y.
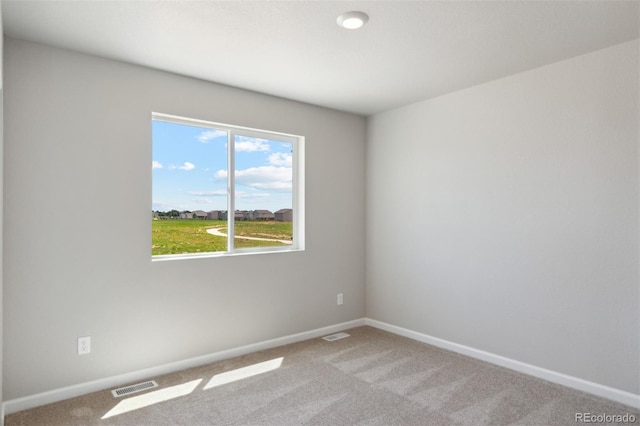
{"type": "Point", "coordinates": [336, 336]}
{"type": "Point", "coordinates": [134, 388]}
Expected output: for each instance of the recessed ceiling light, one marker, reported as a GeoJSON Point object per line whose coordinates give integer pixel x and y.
{"type": "Point", "coordinates": [352, 20]}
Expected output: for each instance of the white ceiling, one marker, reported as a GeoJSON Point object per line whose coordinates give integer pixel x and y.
{"type": "Point", "coordinates": [409, 50]}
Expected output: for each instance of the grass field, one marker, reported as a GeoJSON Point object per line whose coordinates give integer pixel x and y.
{"type": "Point", "coordinates": [181, 236]}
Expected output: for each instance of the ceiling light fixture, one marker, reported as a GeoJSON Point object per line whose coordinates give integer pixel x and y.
{"type": "Point", "coordinates": [352, 20]}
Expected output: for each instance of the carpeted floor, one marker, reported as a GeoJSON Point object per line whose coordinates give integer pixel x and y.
{"type": "Point", "coordinates": [370, 378]}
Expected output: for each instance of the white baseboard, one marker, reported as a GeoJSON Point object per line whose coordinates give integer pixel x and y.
{"type": "Point", "coordinates": [19, 404]}
{"type": "Point", "coordinates": [597, 389]}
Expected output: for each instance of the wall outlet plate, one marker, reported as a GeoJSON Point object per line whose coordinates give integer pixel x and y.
{"type": "Point", "coordinates": [84, 345]}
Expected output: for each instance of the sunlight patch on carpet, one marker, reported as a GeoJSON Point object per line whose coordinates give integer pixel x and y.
{"type": "Point", "coordinates": [151, 398]}
{"type": "Point", "coordinates": [243, 373]}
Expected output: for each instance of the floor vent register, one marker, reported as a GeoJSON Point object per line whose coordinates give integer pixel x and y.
{"type": "Point", "coordinates": [337, 336]}
{"type": "Point", "coordinates": [127, 390]}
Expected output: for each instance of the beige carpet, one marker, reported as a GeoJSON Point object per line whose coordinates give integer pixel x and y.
{"type": "Point", "coordinates": [370, 378]}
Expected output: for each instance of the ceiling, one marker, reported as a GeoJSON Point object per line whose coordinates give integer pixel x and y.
{"type": "Point", "coordinates": [408, 51]}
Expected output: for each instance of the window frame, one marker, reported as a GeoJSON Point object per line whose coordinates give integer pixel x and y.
{"type": "Point", "coordinates": [297, 192]}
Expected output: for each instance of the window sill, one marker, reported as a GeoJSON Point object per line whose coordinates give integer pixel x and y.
{"type": "Point", "coordinates": [245, 252]}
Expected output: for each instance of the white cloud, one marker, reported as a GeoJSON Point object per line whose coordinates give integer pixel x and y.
{"type": "Point", "coordinates": [263, 177]}
{"type": "Point", "coordinates": [281, 159]}
{"type": "Point", "coordinates": [156, 165]}
{"type": "Point", "coordinates": [214, 193]}
{"type": "Point", "coordinates": [251, 144]}
{"type": "Point", "coordinates": [164, 206]}
{"type": "Point", "coordinates": [252, 195]}
{"type": "Point", "coordinates": [202, 200]}
{"type": "Point", "coordinates": [161, 206]}
{"type": "Point", "coordinates": [187, 166]}
{"type": "Point", "coordinates": [266, 177]}
{"type": "Point", "coordinates": [209, 135]}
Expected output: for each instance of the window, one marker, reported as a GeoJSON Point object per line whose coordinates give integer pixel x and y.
{"type": "Point", "coordinates": [202, 171]}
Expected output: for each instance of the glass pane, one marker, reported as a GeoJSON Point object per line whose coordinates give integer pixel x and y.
{"type": "Point", "coordinates": [189, 197]}
{"type": "Point", "coordinates": [263, 192]}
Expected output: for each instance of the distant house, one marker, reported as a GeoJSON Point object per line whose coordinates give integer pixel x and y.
{"type": "Point", "coordinates": [263, 215]}
{"type": "Point", "coordinates": [239, 215]}
{"type": "Point", "coordinates": [284, 215]}
{"type": "Point", "coordinates": [186, 215]}
{"type": "Point", "coordinates": [247, 215]}
{"type": "Point", "coordinates": [199, 214]}
{"type": "Point", "coordinates": [215, 215]}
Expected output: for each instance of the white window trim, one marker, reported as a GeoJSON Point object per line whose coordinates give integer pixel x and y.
{"type": "Point", "coordinates": [298, 195]}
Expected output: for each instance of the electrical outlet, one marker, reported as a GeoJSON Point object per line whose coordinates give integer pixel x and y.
{"type": "Point", "coordinates": [84, 345]}
{"type": "Point", "coordinates": [339, 298]}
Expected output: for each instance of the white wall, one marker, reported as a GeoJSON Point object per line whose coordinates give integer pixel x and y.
{"type": "Point", "coordinates": [505, 217]}
{"type": "Point", "coordinates": [78, 225]}
{"type": "Point", "coordinates": [1, 204]}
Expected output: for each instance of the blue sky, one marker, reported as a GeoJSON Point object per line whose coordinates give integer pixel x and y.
{"type": "Point", "coordinates": [189, 167]}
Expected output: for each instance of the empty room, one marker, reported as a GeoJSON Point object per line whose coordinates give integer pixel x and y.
{"type": "Point", "coordinates": [320, 212]}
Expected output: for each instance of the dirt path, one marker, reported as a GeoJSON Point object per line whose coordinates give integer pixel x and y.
{"type": "Point", "coordinates": [216, 231]}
